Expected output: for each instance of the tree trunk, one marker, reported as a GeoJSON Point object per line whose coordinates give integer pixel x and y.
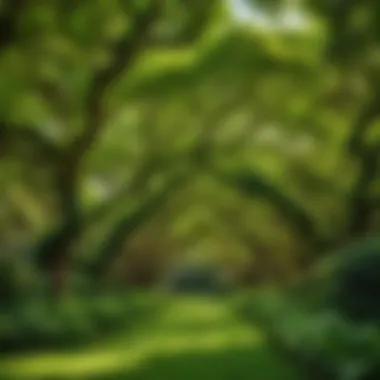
{"type": "Point", "coordinates": [59, 271]}
{"type": "Point", "coordinates": [128, 224]}
{"type": "Point", "coordinates": [361, 205]}
{"type": "Point", "coordinates": [367, 156]}
{"type": "Point", "coordinates": [253, 185]}
{"type": "Point", "coordinates": [53, 252]}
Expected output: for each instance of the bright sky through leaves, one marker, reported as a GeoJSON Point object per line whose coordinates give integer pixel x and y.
{"type": "Point", "coordinates": [289, 18]}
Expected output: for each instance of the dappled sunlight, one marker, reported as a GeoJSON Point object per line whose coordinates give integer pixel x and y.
{"type": "Point", "coordinates": [67, 366]}
{"type": "Point", "coordinates": [196, 309]}
{"type": "Point", "coordinates": [185, 326]}
{"type": "Point", "coordinates": [170, 205]}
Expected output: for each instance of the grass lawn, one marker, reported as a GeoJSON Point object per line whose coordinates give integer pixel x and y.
{"type": "Point", "coordinates": [192, 338]}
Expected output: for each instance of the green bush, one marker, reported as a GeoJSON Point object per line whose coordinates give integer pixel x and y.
{"type": "Point", "coordinates": [347, 281]}
{"type": "Point", "coordinates": [355, 290]}
{"type": "Point", "coordinates": [40, 323]}
{"type": "Point", "coordinates": [320, 342]}
{"type": "Point", "coordinates": [328, 323]}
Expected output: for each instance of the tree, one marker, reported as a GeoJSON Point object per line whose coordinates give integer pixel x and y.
{"type": "Point", "coordinates": [92, 60]}
{"type": "Point", "coordinates": [274, 113]}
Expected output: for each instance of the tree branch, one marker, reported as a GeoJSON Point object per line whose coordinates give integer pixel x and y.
{"type": "Point", "coordinates": [9, 16]}
{"type": "Point", "coordinates": [124, 52]}
{"type": "Point", "coordinates": [56, 250]}
{"type": "Point", "coordinates": [360, 204]}
{"type": "Point", "coordinates": [265, 268]}
{"type": "Point", "coordinates": [75, 224]}
{"type": "Point", "coordinates": [11, 135]}
{"type": "Point", "coordinates": [338, 14]}
{"type": "Point", "coordinates": [254, 185]}
{"type": "Point", "coordinates": [367, 116]}
{"type": "Point", "coordinates": [57, 98]}
{"type": "Point", "coordinates": [131, 222]}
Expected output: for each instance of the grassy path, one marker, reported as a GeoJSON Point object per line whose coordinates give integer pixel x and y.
{"type": "Point", "coordinates": [191, 339]}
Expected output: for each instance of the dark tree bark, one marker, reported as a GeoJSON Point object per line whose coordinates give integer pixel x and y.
{"type": "Point", "coordinates": [69, 168]}
{"type": "Point", "coordinates": [360, 203]}
{"type": "Point", "coordinates": [9, 18]}
{"type": "Point", "coordinates": [254, 185]}
{"type": "Point", "coordinates": [12, 137]}
{"type": "Point", "coordinates": [110, 250]}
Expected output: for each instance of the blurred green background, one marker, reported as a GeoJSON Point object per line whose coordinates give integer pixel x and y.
{"type": "Point", "coordinates": [189, 189]}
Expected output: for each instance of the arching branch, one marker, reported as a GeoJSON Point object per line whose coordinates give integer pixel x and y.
{"type": "Point", "coordinates": [255, 186]}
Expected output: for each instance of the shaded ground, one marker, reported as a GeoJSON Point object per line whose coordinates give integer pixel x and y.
{"type": "Point", "coordinates": [192, 338]}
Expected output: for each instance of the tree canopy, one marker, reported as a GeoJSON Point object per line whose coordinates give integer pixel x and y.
{"type": "Point", "coordinates": [272, 119]}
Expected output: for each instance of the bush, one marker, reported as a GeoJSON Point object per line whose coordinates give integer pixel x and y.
{"type": "Point", "coordinates": [355, 290]}
{"type": "Point", "coordinates": [41, 324]}
{"type": "Point", "coordinates": [347, 281]}
{"type": "Point", "coordinates": [322, 343]}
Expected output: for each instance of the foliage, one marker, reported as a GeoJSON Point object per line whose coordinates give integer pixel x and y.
{"type": "Point", "coordinates": [39, 324]}
{"type": "Point", "coordinates": [109, 111]}
{"type": "Point", "coordinates": [355, 281]}
{"type": "Point", "coordinates": [321, 343]}
{"type": "Point", "coordinates": [135, 135]}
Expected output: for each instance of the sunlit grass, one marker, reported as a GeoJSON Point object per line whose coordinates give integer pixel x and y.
{"type": "Point", "coordinates": [199, 328]}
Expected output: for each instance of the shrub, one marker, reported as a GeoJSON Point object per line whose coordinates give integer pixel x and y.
{"type": "Point", "coordinates": [322, 343]}
{"type": "Point", "coordinates": [41, 324]}
{"type": "Point", "coordinates": [355, 282]}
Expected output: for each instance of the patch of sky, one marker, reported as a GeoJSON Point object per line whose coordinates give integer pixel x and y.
{"type": "Point", "coordinates": [288, 17]}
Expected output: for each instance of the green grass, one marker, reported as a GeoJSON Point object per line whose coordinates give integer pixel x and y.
{"type": "Point", "coordinates": [191, 338]}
